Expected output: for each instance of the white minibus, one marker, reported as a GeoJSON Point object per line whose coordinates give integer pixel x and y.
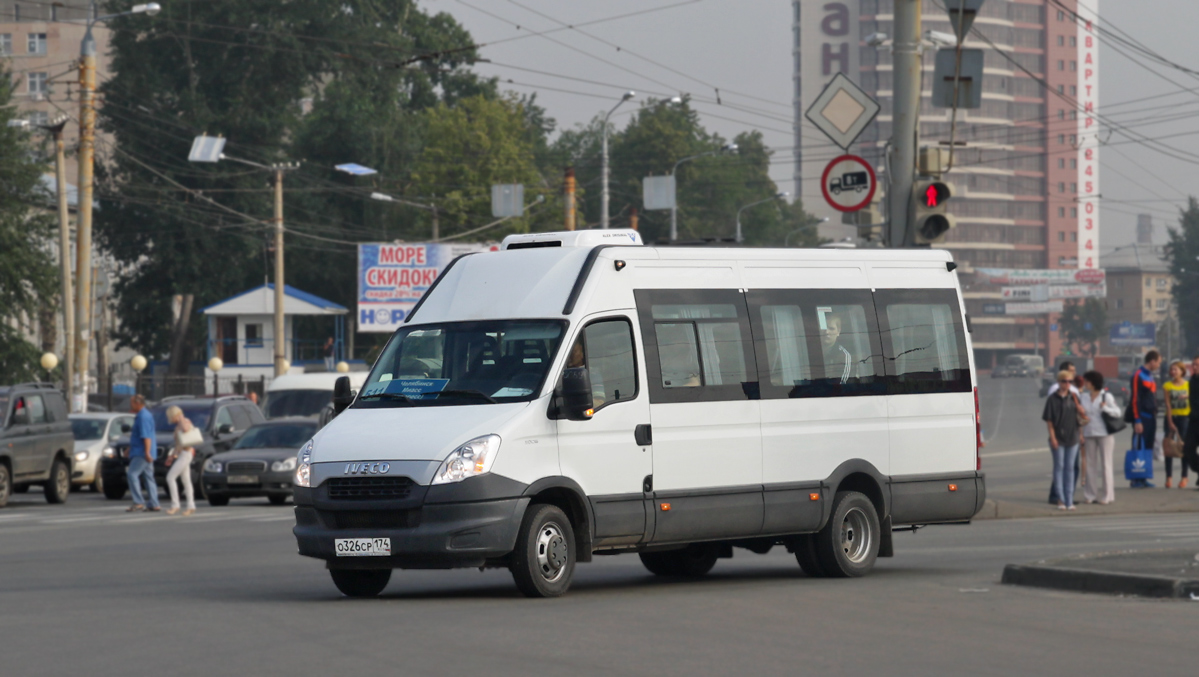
{"type": "Point", "coordinates": [578, 394]}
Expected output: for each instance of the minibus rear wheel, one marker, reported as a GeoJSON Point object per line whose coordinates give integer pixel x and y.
{"type": "Point", "coordinates": [360, 582]}
{"type": "Point", "coordinates": [848, 544]}
{"type": "Point", "coordinates": [543, 561]}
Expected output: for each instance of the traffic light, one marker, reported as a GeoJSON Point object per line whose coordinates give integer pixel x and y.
{"type": "Point", "coordinates": [932, 219]}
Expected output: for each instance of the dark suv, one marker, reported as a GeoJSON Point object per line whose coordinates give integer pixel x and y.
{"type": "Point", "coordinates": [36, 442]}
{"type": "Point", "coordinates": [222, 420]}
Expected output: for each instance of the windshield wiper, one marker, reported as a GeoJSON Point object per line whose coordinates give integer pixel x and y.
{"type": "Point", "coordinates": [387, 396]}
{"type": "Point", "coordinates": [469, 393]}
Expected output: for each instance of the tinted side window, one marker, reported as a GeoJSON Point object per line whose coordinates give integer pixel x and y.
{"type": "Point", "coordinates": [697, 345]}
{"type": "Point", "coordinates": [223, 417]}
{"type": "Point", "coordinates": [56, 406]}
{"type": "Point", "coordinates": [610, 360]}
{"type": "Point", "coordinates": [817, 343]}
{"type": "Point", "coordinates": [255, 414]}
{"type": "Point", "coordinates": [924, 341]}
{"type": "Point", "coordinates": [37, 409]}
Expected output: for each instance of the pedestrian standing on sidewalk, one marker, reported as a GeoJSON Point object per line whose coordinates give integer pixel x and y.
{"type": "Point", "coordinates": [1054, 497]}
{"type": "Point", "coordinates": [1178, 413]}
{"type": "Point", "coordinates": [180, 460]}
{"type": "Point", "coordinates": [1144, 406]}
{"type": "Point", "coordinates": [1190, 446]}
{"type": "Point", "coordinates": [1097, 441]}
{"type": "Point", "coordinates": [327, 353]}
{"type": "Point", "coordinates": [142, 452]}
{"type": "Point", "coordinates": [1063, 421]}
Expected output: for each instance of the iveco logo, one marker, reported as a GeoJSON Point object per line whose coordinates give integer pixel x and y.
{"type": "Point", "coordinates": [367, 468]}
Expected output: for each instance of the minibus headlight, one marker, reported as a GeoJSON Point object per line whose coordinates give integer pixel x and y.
{"type": "Point", "coordinates": [304, 468]}
{"type": "Point", "coordinates": [473, 458]}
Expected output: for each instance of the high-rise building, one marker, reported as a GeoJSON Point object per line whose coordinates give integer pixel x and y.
{"type": "Point", "coordinates": [39, 46]}
{"type": "Point", "coordinates": [1025, 164]}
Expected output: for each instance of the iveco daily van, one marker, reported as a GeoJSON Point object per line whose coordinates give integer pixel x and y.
{"type": "Point", "coordinates": [579, 394]}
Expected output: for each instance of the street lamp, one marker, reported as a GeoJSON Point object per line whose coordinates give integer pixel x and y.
{"type": "Point", "coordinates": [778, 196]}
{"type": "Point", "coordinates": [211, 149]}
{"type": "Point", "coordinates": [87, 164]}
{"type": "Point", "coordinates": [384, 197]}
{"type": "Point", "coordinates": [674, 208]}
{"type": "Point", "coordinates": [604, 170]}
{"type": "Point", "coordinates": [787, 240]}
{"type": "Point", "coordinates": [215, 364]}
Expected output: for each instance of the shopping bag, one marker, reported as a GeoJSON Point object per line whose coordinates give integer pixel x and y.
{"type": "Point", "coordinates": [1138, 461]}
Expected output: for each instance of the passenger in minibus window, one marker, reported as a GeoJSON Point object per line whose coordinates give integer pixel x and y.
{"type": "Point", "coordinates": [838, 361]}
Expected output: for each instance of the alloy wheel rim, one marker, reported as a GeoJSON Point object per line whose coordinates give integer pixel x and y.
{"type": "Point", "coordinates": [552, 553]}
{"type": "Point", "coordinates": [855, 535]}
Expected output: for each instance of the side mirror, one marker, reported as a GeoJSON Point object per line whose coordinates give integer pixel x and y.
{"type": "Point", "coordinates": [343, 396]}
{"type": "Point", "coordinates": [574, 395]}
{"type": "Point", "coordinates": [225, 429]}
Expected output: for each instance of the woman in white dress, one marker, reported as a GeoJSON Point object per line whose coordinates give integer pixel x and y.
{"type": "Point", "coordinates": [1098, 442]}
{"type": "Point", "coordinates": [180, 460]}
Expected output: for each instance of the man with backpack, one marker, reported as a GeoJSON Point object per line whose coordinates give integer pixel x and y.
{"type": "Point", "coordinates": [1142, 407]}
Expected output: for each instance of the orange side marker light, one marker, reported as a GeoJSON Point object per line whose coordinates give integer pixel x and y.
{"type": "Point", "coordinates": [953, 487]}
{"type": "Point", "coordinates": [814, 497]}
{"type": "Point", "coordinates": [665, 507]}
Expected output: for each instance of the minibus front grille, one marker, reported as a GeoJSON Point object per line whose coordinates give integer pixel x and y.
{"type": "Point", "coordinates": [368, 488]}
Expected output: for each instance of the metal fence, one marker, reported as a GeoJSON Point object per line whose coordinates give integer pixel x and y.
{"type": "Point", "coordinates": [113, 392]}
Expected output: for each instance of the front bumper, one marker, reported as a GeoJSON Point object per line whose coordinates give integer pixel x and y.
{"type": "Point", "coordinates": [269, 484]}
{"type": "Point", "coordinates": [86, 471]}
{"type": "Point", "coordinates": [466, 524]}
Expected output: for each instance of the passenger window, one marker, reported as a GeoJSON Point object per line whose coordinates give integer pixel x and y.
{"type": "Point", "coordinates": [222, 418]}
{"type": "Point", "coordinates": [817, 343]}
{"type": "Point", "coordinates": [924, 341]}
{"type": "Point", "coordinates": [37, 409]}
{"type": "Point", "coordinates": [606, 349]}
{"type": "Point", "coordinates": [696, 345]}
{"type": "Point", "coordinates": [241, 419]}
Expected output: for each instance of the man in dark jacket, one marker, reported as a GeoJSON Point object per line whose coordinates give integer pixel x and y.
{"type": "Point", "coordinates": [1190, 447]}
{"type": "Point", "coordinates": [1144, 406]}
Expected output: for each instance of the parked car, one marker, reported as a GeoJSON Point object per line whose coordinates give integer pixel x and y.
{"type": "Point", "coordinates": [222, 420]}
{"type": "Point", "coordinates": [35, 441]}
{"type": "Point", "coordinates": [262, 463]}
{"type": "Point", "coordinates": [94, 433]}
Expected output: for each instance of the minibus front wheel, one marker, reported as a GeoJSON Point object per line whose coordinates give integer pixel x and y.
{"type": "Point", "coordinates": [543, 561]}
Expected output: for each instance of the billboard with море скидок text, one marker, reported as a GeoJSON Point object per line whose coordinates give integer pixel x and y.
{"type": "Point", "coordinates": [393, 277]}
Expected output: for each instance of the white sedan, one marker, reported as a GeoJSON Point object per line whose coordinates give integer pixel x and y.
{"type": "Point", "coordinates": [95, 434]}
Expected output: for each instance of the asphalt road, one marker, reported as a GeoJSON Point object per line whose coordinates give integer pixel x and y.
{"type": "Point", "coordinates": [87, 589]}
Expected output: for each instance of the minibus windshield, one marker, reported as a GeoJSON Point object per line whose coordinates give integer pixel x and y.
{"type": "Point", "coordinates": [460, 363]}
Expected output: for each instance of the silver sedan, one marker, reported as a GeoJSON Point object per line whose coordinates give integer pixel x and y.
{"type": "Point", "coordinates": [95, 434]}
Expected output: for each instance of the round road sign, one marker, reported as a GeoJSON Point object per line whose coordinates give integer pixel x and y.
{"type": "Point", "coordinates": [848, 183]}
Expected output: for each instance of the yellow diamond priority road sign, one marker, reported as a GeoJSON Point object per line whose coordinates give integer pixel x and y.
{"type": "Point", "coordinates": [842, 111]}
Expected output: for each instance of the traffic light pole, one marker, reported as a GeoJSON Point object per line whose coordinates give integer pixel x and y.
{"type": "Point", "coordinates": [904, 125]}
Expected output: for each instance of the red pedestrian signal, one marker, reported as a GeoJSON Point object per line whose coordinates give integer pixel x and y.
{"type": "Point", "coordinates": [930, 196]}
{"type": "Point", "coordinates": [932, 219]}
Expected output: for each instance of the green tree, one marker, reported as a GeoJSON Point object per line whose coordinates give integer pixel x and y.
{"type": "Point", "coordinates": [28, 278]}
{"type": "Point", "coordinates": [1083, 324]}
{"type": "Point", "coordinates": [298, 80]}
{"type": "Point", "coordinates": [1182, 252]}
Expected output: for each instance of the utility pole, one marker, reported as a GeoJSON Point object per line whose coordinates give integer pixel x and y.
{"type": "Point", "coordinates": [280, 345]}
{"type": "Point", "coordinates": [570, 198]}
{"type": "Point", "coordinates": [906, 51]}
{"type": "Point", "coordinates": [64, 261]}
{"type": "Point", "coordinates": [83, 238]}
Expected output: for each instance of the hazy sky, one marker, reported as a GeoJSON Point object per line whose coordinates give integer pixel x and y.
{"type": "Point", "coordinates": [743, 47]}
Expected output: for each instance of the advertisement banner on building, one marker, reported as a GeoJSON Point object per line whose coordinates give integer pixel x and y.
{"type": "Point", "coordinates": [1032, 276]}
{"type": "Point", "coordinates": [1032, 308]}
{"type": "Point", "coordinates": [393, 277]}
{"type": "Point", "coordinates": [1133, 334]}
{"type": "Point", "coordinates": [1088, 134]}
{"type": "Point", "coordinates": [1066, 291]}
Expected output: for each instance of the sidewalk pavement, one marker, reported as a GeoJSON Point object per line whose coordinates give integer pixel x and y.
{"type": "Point", "coordinates": [1034, 503]}
{"type": "Point", "coordinates": [1147, 573]}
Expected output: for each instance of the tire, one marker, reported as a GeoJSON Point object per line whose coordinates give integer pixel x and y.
{"type": "Point", "coordinates": [360, 582]}
{"type": "Point", "coordinates": [848, 545]}
{"type": "Point", "coordinates": [543, 561]}
{"type": "Point", "coordinates": [98, 483]}
{"type": "Point", "coordinates": [805, 555]}
{"type": "Point", "coordinates": [693, 561]}
{"type": "Point", "coordinates": [277, 499]}
{"type": "Point", "coordinates": [114, 491]}
{"type": "Point", "coordinates": [218, 500]}
{"type": "Point", "coordinates": [19, 488]}
{"type": "Point", "coordinates": [58, 486]}
{"type": "Point", "coordinates": [5, 485]}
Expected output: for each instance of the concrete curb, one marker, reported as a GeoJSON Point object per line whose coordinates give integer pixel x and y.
{"type": "Point", "coordinates": [1083, 580]}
